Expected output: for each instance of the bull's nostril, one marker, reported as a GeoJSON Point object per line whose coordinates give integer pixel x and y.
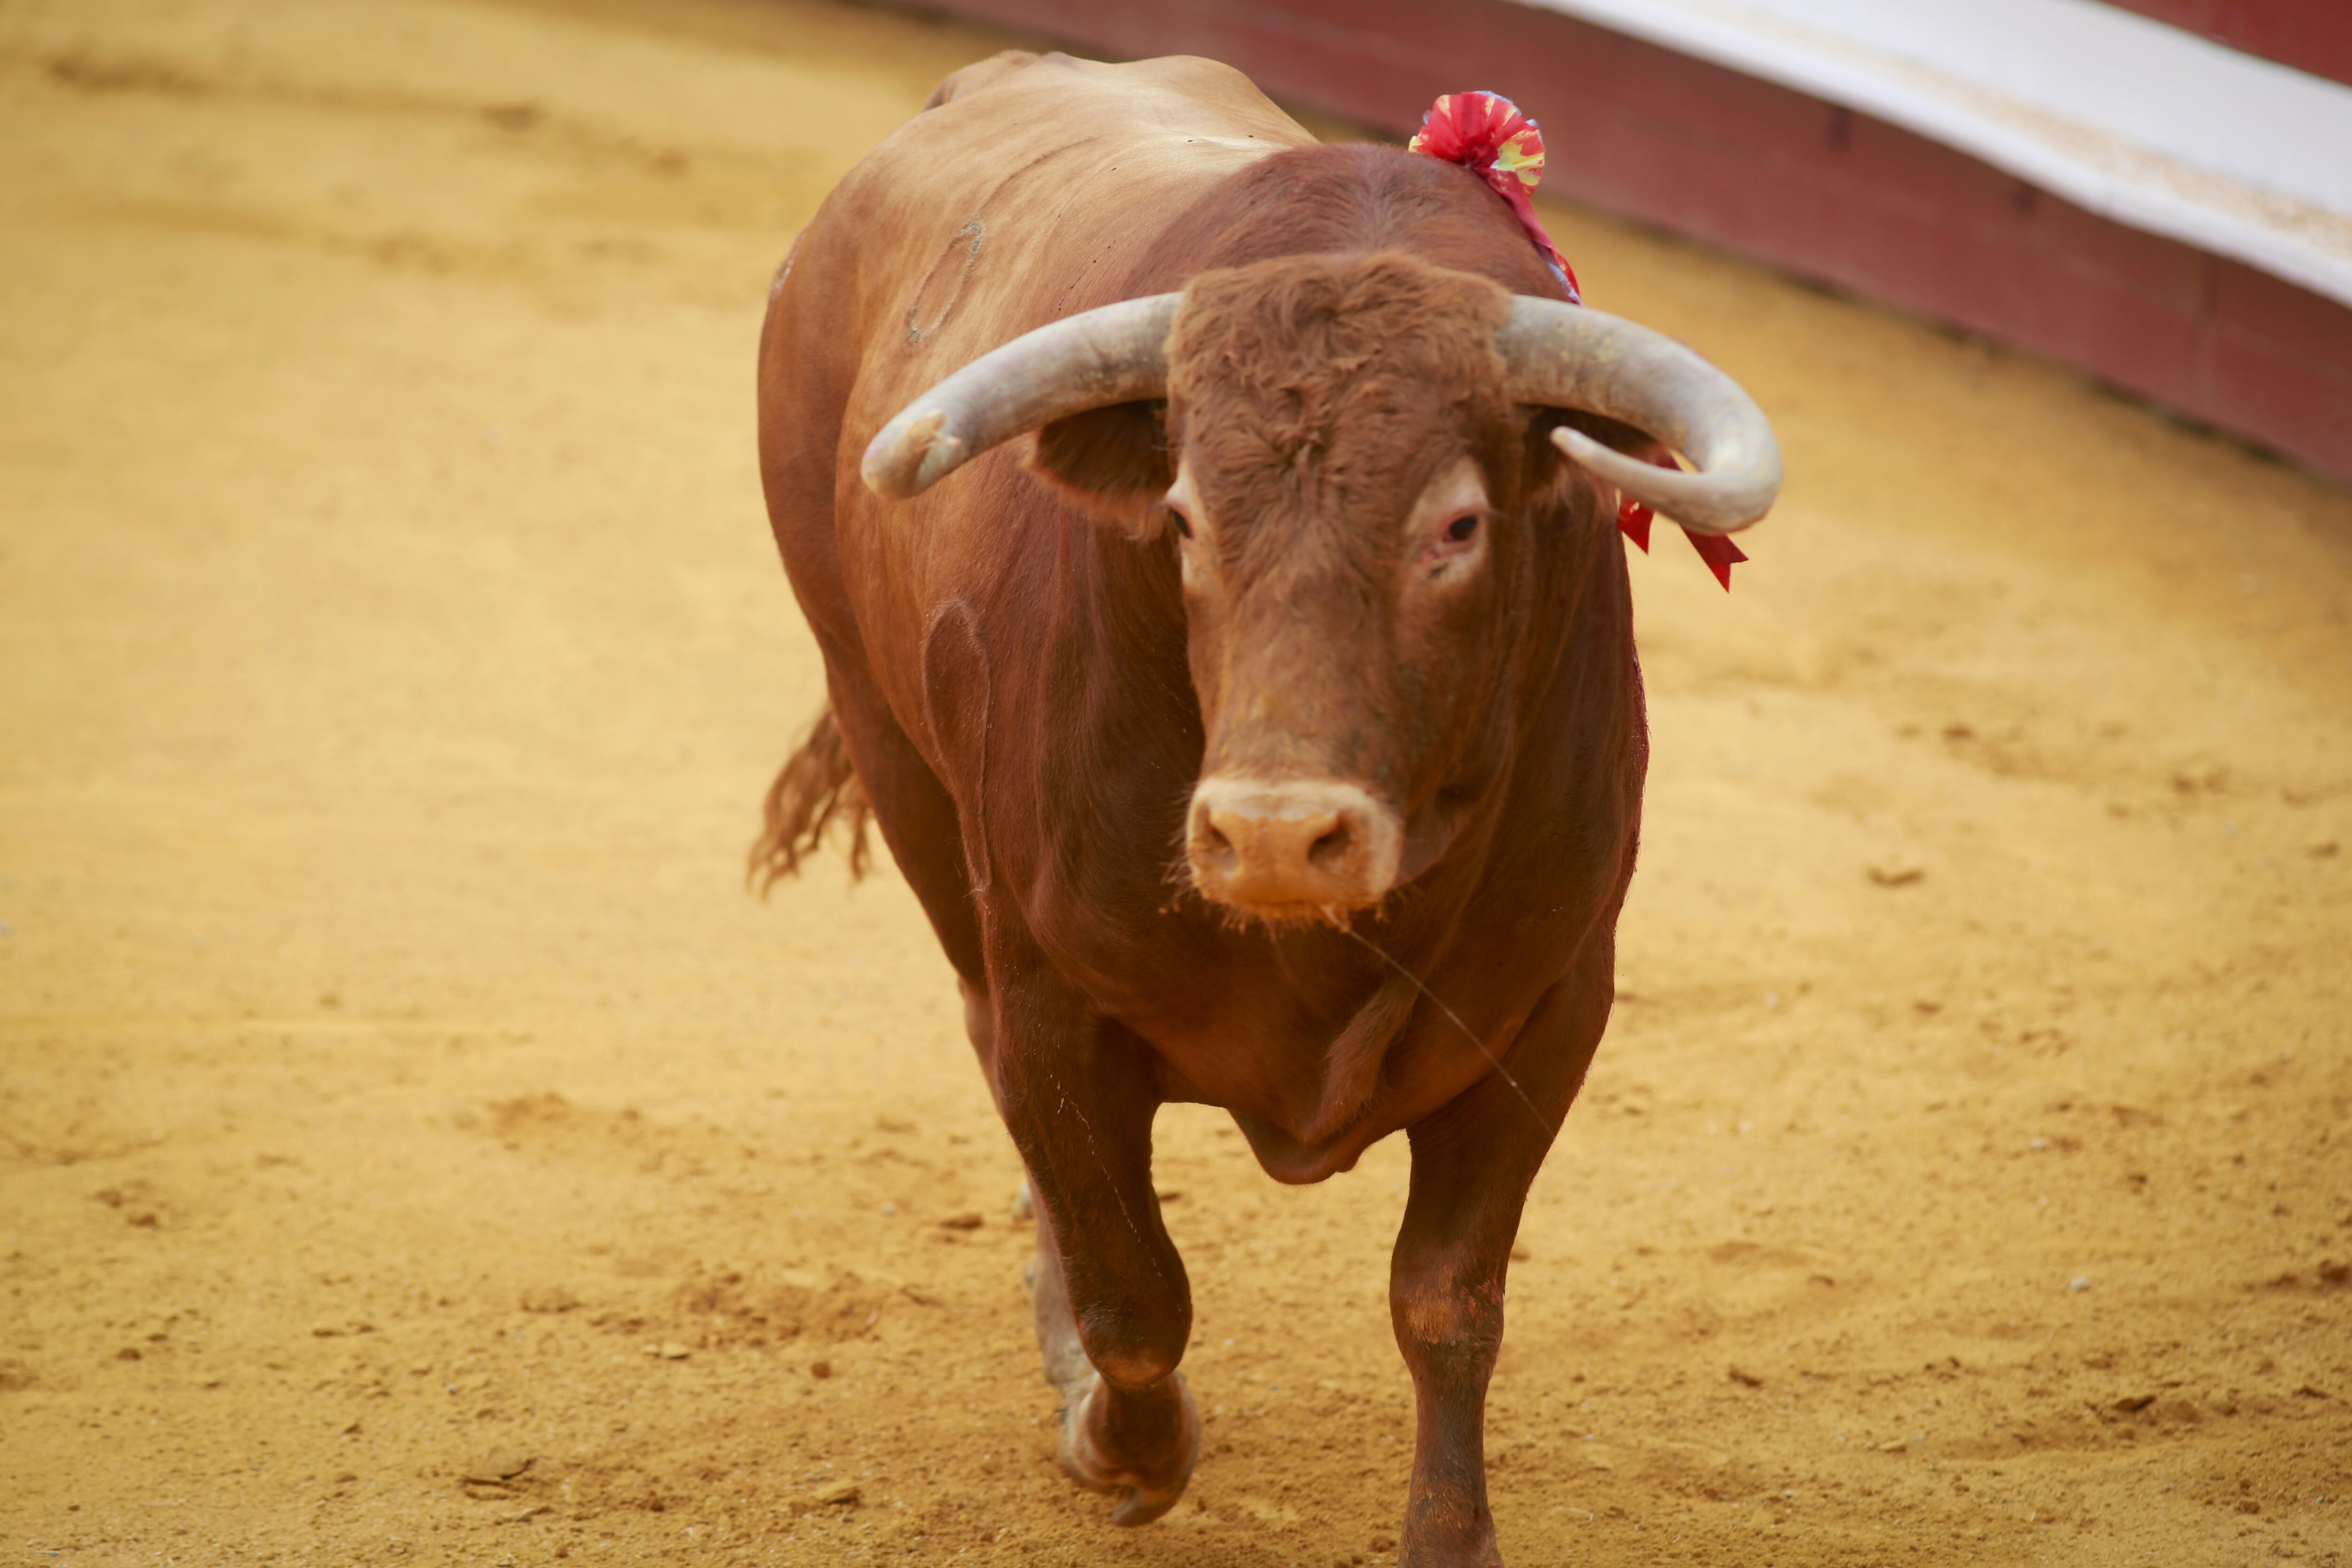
{"type": "Point", "coordinates": [1319, 843]}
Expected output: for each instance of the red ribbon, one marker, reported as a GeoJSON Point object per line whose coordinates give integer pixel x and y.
{"type": "Point", "coordinates": [1716, 549]}
{"type": "Point", "coordinates": [1486, 133]}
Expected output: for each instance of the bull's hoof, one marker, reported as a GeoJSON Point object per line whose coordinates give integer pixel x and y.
{"type": "Point", "coordinates": [1145, 1487]}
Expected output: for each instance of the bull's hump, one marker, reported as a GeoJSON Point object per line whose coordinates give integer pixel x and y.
{"type": "Point", "coordinates": [1173, 88]}
{"type": "Point", "coordinates": [1029, 197]}
{"type": "Point", "coordinates": [1175, 116]}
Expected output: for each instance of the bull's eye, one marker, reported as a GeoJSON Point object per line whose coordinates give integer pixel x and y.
{"type": "Point", "coordinates": [1459, 531]}
{"type": "Point", "coordinates": [1183, 524]}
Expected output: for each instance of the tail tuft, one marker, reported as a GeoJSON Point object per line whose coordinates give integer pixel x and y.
{"type": "Point", "coordinates": [817, 789]}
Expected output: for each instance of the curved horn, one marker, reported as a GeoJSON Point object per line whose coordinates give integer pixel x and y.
{"type": "Point", "coordinates": [1116, 353]}
{"type": "Point", "coordinates": [1572, 356]}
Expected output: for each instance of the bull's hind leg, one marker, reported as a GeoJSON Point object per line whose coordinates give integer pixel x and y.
{"type": "Point", "coordinates": [1111, 1303]}
{"type": "Point", "coordinates": [1472, 1164]}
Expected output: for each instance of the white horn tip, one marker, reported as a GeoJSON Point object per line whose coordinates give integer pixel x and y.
{"type": "Point", "coordinates": [903, 459]}
{"type": "Point", "coordinates": [942, 455]}
{"type": "Point", "coordinates": [1687, 498]}
{"type": "Point", "coordinates": [1581, 448]}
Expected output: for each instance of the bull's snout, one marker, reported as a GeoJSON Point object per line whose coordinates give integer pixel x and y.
{"type": "Point", "coordinates": [1287, 848]}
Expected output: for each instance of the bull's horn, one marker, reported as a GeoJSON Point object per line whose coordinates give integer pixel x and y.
{"type": "Point", "coordinates": [1117, 354]}
{"type": "Point", "coordinates": [1571, 356]}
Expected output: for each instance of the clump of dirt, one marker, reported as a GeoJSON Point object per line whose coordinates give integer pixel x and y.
{"type": "Point", "coordinates": [731, 1308]}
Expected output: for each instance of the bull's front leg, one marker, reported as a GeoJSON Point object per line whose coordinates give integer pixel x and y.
{"type": "Point", "coordinates": [1472, 1164]}
{"type": "Point", "coordinates": [1113, 1307]}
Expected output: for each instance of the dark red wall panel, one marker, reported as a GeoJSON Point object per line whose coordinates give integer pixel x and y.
{"type": "Point", "coordinates": [1669, 139]}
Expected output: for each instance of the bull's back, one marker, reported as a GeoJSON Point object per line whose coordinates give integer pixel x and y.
{"type": "Point", "coordinates": [1029, 193]}
{"type": "Point", "coordinates": [1031, 189]}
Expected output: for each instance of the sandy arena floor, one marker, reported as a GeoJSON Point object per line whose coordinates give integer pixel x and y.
{"type": "Point", "coordinates": [414, 1147]}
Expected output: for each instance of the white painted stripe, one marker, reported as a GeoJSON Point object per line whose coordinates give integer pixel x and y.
{"type": "Point", "coordinates": [2137, 122]}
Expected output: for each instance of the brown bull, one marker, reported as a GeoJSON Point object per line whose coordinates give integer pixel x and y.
{"type": "Point", "coordinates": [1264, 734]}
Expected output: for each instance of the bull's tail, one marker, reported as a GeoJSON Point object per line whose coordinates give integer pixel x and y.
{"type": "Point", "coordinates": [817, 789]}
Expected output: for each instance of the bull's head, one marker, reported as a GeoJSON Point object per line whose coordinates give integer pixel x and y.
{"type": "Point", "coordinates": [1351, 464]}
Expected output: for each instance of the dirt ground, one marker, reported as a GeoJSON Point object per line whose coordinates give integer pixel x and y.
{"type": "Point", "coordinates": [416, 1147]}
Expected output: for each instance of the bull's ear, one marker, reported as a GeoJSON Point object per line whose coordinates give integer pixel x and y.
{"type": "Point", "coordinates": [1112, 462]}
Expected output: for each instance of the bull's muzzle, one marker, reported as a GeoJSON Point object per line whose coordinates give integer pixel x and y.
{"type": "Point", "coordinates": [1292, 850]}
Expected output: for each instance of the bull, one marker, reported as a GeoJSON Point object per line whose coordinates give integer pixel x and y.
{"type": "Point", "coordinates": [1254, 713]}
